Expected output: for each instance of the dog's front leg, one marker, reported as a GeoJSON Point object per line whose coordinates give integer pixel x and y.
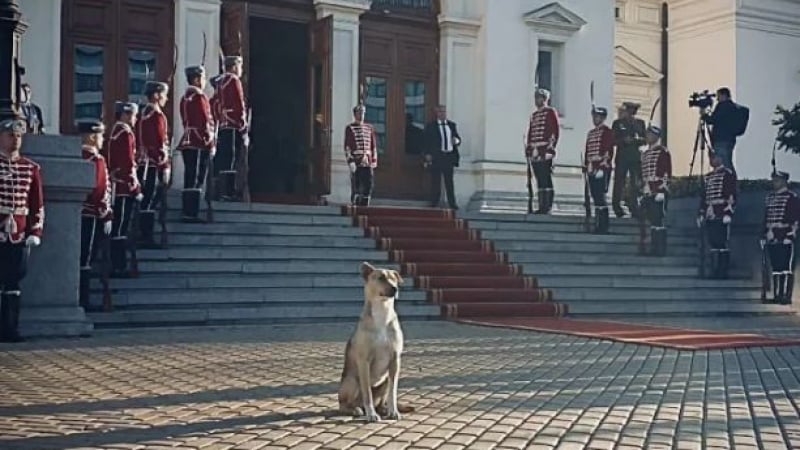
{"type": "Point", "coordinates": [364, 382]}
{"type": "Point", "coordinates": [394, 376]}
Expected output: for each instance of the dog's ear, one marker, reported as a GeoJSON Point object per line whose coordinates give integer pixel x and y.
{"type": "Point", "coordinates": [397, 277]}
{"type": "Point", "coordinates": [366, 270]}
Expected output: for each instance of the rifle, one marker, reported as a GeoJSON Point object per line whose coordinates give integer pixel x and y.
{"type": "Point", "coordinates": [133, 235]}
{"type": "Point", "coordinates": [243, 163]}
{"type": "Point", "coordinates": [587, 205]}
{"type": "Point", "coordinates": [165, 185]}
{"type": "Point", "coordinates": [766, 277]}
{"type": "Point", "coordinates": [530, 174]}
{"type": "Point", "coordinates": [209, 195]}
{"type": "Point", "coordinates": [105, 272]}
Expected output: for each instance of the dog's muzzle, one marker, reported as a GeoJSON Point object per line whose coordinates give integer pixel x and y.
{"type": "Point", "coordinates": [391, 292]}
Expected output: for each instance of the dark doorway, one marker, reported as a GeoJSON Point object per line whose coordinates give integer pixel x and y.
{"type": "Point", "coordinates": [279, 94]}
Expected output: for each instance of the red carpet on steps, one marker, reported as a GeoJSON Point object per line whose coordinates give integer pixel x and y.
{"type": "Point", "coordinates": [459, 270]}
{"type": "Point", "coordinates": [673, 338]}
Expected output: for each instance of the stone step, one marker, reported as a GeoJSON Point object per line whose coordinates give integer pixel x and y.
{"type": "Point", "coordinates": [239, 281]}
{"type": "Point", "coordinates": [278, 314]}
{"type": "Point", "coordinates": [237, 241]}
{"type": "Point", "coordinates": [617, 250]}
{"type": "Point", "coordinates": [522, 257]}
{"type": "Point", "coordinates": [336, 255]}
{"type": "Point", "coordinates": [252, 229]}
{"type": "Point", "coordinates": [536, 219]}
{"type": "Point", "coordinates": [559, 227]}
{"type": "Point", "coordinates": [259, 208]}
{"type": "Point", "coordinates": [240, 296]}
{"type": "Point", "coordinates": [674, 308]}
{"type": "Point", "coordinates": [231, 217]}
{"type": "Point", "coordinates": [538, 236]}
{"type": "Point", "coordinates": [645, 282]}
{"type": "Point", "coordinates": [292, 266]}
{"type": "Point", "coordinates": [543, 269]}
{"type": "Point", "coordinates": [572, 294]}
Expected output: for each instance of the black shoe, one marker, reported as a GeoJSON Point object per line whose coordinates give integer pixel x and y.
{"type": "Point", "coordinates": [619, 212]}
{"type": "Point", "coordinates": [120, 274]}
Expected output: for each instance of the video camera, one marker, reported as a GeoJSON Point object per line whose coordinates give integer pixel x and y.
{"type": "Point", "coordinates": [701, 100]}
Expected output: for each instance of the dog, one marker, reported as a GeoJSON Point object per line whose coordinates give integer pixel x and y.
{"type": "Point", "coordinates": [372, 356]}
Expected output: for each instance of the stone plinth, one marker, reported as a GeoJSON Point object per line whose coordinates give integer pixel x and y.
{"type": "Point", "coordinates": [50, 290]}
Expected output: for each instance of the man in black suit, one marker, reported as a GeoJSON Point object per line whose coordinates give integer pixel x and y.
{"type": "Point", "coordinates": [441, 155]}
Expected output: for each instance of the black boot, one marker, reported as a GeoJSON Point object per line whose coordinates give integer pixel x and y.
{"type": "Point", "coordinates": [228, 185]}
{"type": "Point", "coordinates": [603, 220]}
{"type": "Point", "coordinates": [191, 206]}
{"type": "Point", "coordinates": [9, 317]}
{"type": "Point", "coordinates": [662, 247]}
{"type": "Point", "coordinates": [713, 269]}
{"type": "Point", "coordinates": [619, 212]}
{"type": "Point", "coordinates": [119, 262]}
{"type": "Point", "coordinates": [787, 295]}
{"type": "Point", "coordinates": [84, 287]}
{"type": "Point", "coordinates": [776, 289]}
{"type": "Point", "coordinates": [146, 225]}
{"type": "Point", "coordinates": [541, 201]}
{"type": "Point", "coordinates": [724, 265]}
{"type": "Point", "coordinates": [551, 196]}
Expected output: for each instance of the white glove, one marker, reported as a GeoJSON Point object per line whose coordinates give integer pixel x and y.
{"type": "Point", "coordinates": [167, 175]}
{"type": "Point", "coordinates": [548, 156]}
{"type": "Point", "coordinates": [352, 167]}
{"type": "Point", "coordinates": [139, 197]}
{"type": "Point", "coordinates": [726, 220]}
{"type": "Point", "coordinates": [33, 241]}
{"type": "Point", "coordinates": [762, 243]}
{"type": "Point", "coordinates": [246, 140]}
{"type": "Point", "coordinates": [599, 175]}
{"type": "Point", "coordinates": [770, 235]}
{"type": "Point", "coordinates": [456, 141]}
{"type": "Point", "coordinates": [699, 221]}
{"type": "Point", "coordinates": [787, 241]}
{"type": "Point", "coordinates": [107, 227]}
{"type": "Point", "coordinates": [660, 197]}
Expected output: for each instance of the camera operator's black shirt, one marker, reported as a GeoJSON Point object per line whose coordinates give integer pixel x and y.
{"type": "Point", "coordinates": [723, 119]}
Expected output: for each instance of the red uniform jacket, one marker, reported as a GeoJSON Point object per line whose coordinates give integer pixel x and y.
{"type": "Point", "coordinates": [656, 170]}
{"type": "Point", "coordinates": [198, 124]}
{"type": "Point", "coordinates": [232, 107]}
{"type": "Point", "coordinates": [98, 202]}
{"type": "Point", "coordinates": [360, 145]}
{"type": "Point", "coordinates": [121, 161]}
{"type": "Point", "coordinates": [543, 132]}
{"type": "Point", "coordinates": [152, 137]}
{"type": "Point", "coordinates": [599, 149]}
{"type": "Point", "coordinates": [782, 215]}
{"type": "Point", "coordinates": [21, 200]}
{"type": "Point", "coordinates": [720, 195]}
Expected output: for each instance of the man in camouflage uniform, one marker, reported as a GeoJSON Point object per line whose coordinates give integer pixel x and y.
{"type": "Point", "coordinates": [629, 135]}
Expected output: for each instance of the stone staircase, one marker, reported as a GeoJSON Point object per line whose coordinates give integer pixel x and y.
{"type": "Point", "coordinates": [257, 263]}
{"type": "Point", "coordinates": [604, 276]}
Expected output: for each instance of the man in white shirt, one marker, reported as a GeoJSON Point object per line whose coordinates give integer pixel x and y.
{"type": "Point", "coordinates": [441, 155]}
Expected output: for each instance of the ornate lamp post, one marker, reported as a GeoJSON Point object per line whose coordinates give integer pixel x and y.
{"type": "Point", "coordinates": [11, 30]}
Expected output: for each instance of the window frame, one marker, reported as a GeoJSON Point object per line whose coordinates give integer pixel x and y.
{"type": "Point", "coordinates": [556, 51]}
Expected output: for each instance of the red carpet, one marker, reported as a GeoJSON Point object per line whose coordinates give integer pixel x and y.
{"type": "Point", "coordinates": [674, 338]}
{"type": "Point", "coordinates": [460, 271]}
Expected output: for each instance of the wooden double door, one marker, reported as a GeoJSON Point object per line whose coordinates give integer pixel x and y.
{"type": "Point", "coordinates": [110, 48]}
{"type": "Point", "coordinates": [399, 72]}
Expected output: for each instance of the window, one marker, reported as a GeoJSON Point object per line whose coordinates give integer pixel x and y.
{"type": "Point", "coordinates": [375, 102]}
{"type": "Point", "coordinates": [548, 72]}
{"type": "Point", "coordinates": [141, 69]}
{"type": "Point", "coordinates": [415, 116]}
{"type": "Point", "coordinates": [88, 76]}
{"type": "Point", "coordinates": [616, 13]}
{"type": "Point", "coordinates": [404, 4]}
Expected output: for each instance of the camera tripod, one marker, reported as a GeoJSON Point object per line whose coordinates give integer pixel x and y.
{"type": "Point", "coordinates": [701, 142]}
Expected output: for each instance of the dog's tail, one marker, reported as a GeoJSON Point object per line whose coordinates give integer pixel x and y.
{"type": "Point", "coordinates": [405, 409]}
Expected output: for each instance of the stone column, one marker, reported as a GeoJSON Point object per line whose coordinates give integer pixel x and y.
{"type": "Point", "coordinates": [459, 82]}
{"type": "Point", "coordinates": [345, 74]}
{"type": "Point", "coordinates": [50, 290]}
{"type": "Point", "coordinates": [192, 19]}
{"type": "Point", "coordinates": [11, 29]}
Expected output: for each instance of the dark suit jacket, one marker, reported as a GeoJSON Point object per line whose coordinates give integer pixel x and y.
{"type": "Point", "coordinates": [433, 144]}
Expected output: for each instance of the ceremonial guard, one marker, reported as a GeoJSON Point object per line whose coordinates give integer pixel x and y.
{"type": "Point", "coordinates": [21, 222]}
{"type": "Point", "coordinates": [197, 143]}
{"type": "Point", "coordinates": [543, 132]}
{"type": "Point", "coordinates": [629, 135]}
{"type": "Point", "coordinates": [96, 215]}
{"type": "Point", "coordinates": [597, 164]}
{"type": "Point", "coordinates": [233, 127]}
{"type": "Point", "coordinates": [656, 172]}
{"type": "Point", "coordinates": [782, 219]}
{"type": "Point", "coordinates": [716, 212]}
{"type": "Point", "coordinates": [153, 157]}
{"type": "Point", "coordinates": [360, 148]}
{"type": "Point", "coordinates": [125, 187]}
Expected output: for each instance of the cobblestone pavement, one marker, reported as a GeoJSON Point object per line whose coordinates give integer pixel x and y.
{"type": "Point", "coordinates": [481, 388]}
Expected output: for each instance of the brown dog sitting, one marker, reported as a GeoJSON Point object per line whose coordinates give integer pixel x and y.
{"type": "Point", "coordinates": [372, 357]}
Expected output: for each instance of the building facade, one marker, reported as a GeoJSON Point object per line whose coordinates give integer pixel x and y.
{"type": "Point", "coordinates": [309, 61]}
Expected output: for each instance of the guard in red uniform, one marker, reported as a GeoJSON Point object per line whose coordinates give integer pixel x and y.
{"type": "Point", "coordinates": [782, 219]}
{"type": "Point", "coordinates": [716, 211]}
{"type": "Point", "coordinates": [154, 171]}
{"type": "Point", "coordinates": [125, 186]}
{"type": "Point", "coordinates": [197, 143]}
{"type": "Point", "coordinates": [597, 164]}
{"type": "Point", "coordinates": [656, 172]}
{"type": "Point", "coordinates": [360, 148]}
{"type": "Point", "coordinates": [543, 132]}
{"type": "Point", "coordinates": [21, 222]}
{"type": "Point", "coordinates": [96, 215]}
{"type": "Point", "coordinates": [233, 126]}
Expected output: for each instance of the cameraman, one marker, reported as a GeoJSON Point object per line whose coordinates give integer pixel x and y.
{"type": "Point", "coordinates": [723, 123]}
